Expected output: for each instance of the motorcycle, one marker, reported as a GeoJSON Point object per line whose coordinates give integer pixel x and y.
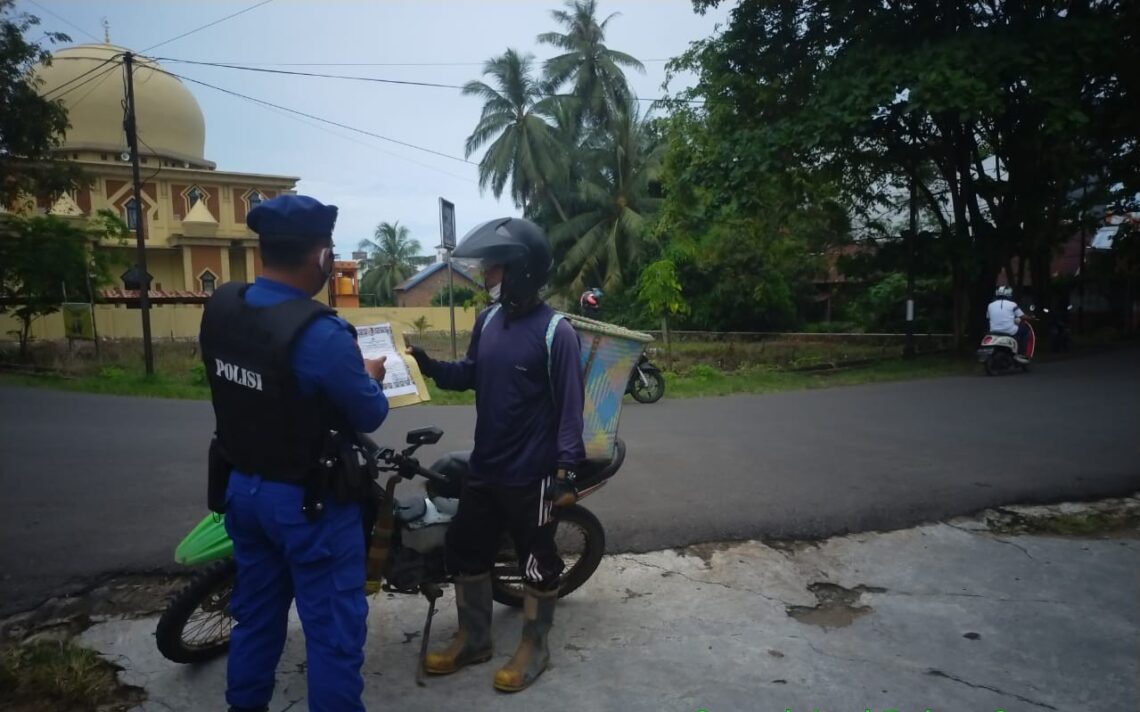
{"type": "Point", "coordinates": [998, 353]}
{"type": "Point", "coordinates": [196, 625]}
{"type": "Point", "coordinates": [646, 382]}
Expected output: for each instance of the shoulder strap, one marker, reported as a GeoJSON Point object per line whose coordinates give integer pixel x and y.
{"type": "Point", "coordinates": [550, 329]}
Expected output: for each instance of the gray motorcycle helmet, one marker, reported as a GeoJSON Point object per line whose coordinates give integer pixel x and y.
{"type": "Point", "coordinates": [520, 247]}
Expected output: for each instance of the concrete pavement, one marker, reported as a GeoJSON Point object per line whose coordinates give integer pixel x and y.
{"type": "Point", "coordinates": [944, 617]}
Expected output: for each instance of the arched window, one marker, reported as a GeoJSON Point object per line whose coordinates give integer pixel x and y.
{"type": "Point", "coordinates": [208, 280]}
{"type": "Point", "coordinates": [131, 213]}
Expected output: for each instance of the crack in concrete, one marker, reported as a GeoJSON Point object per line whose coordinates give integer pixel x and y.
{"type": "Point", "coordinates": [292, 704]}
{"type": "Point", "coordinates": [864, 661]}
{"type": "Point", "coordinates": [992, 537]}
{"type": "Point", "coordinates": [937, 594]}
{"type": "Point", "coordinates": [938, 673]}
{"type": "Point", "coordinates": [687, 577]}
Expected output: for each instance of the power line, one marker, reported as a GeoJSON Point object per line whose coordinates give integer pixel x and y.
{"type": "Point", "coordinates": [64, 20]}
{"type": "Point", "coordinates": [373, 64]}
{"type": "Point", "coordinates": [98, 82]}
{"type": "Point", "coordinates": [96, 78]}
{"type": "Point", "coordinates": [309, 74]}
{"type": "Point", "coordinates": [316, 118]}
{"type": "Point", "coordinates": [209, 24]}
{"type": "Point", "coordinates": [374, 147]}
{"type": "Point", "coordinates": [375, 80]}
{"type": "Point", "coordinates": [73, 80]}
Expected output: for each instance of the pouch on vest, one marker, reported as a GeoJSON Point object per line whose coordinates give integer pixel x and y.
{"type": "Point", "coordinates": [217, 478]}
{"type": "Point", "coordinates": [351, 482]}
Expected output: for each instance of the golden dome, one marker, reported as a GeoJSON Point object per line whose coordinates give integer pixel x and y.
{"type": "Point", "coordinates": [170, 122]}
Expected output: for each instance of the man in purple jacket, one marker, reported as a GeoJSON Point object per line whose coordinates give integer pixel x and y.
{"type": "Point", "coordinates": [524, 363]}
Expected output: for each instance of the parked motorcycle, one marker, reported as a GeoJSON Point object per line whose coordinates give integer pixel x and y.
{"type": "Point", "coordinates": [646, 382]}
{"type": "Point", "coordinates": [196, 625]}
{"type": "Point", "coordinates": [998, 353]}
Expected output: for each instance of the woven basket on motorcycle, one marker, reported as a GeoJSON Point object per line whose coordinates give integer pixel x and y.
{"type": "Point", "coordinates": [609, 353]}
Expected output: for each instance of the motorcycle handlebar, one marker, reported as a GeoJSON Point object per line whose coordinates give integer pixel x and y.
{"type": "Point", "coordinates": [401, 461]}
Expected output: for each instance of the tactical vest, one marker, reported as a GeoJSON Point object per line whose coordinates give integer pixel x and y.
{"type": "Point", "coordinates": [265, 425]}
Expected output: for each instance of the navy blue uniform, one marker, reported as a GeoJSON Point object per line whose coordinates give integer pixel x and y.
{"type": "Point", "coordinates": [529, 423]}
{"type": "Point", "coordinates": [529, 420]}
{"type": "Point", "coordinates": [280, 554]}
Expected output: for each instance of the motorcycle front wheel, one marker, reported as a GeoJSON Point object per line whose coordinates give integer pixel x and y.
{"type": "Point", "coordinates": [649, 390]}
{"type": "Point", "coordinates": [196, 625]}
{"type": "Point", "coordinates": [581, 542]}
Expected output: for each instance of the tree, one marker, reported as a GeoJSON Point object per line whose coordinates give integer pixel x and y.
{"type": "Point", "coordinates": [745, 252]}
{"type": "Point", "coordinates": [30, 126]}
{"type": "Point", "coordinates": [523, 150]}
{"type": "Point", "coordinates": [605, 241]}
{"type": "Point", "coordinates": [464, 296]}
{"type": "Point", "coordinates": [995, 110]}
{"type": "Point", "coordinates": [592, 69]}
{"type": "Point", "coordinates": [393, 257]}
{"type": "Point", "coordinates": [42, 256]}
{"type": "Point", "coordinates": [660, 291]}
{"type": "Point", "coordinates": [421, 325]}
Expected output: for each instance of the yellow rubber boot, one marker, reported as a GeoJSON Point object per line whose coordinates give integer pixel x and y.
{"type": "Point", "coordinates": [472, 642]}
{"type": "Point", "coordinates": [533, 654]}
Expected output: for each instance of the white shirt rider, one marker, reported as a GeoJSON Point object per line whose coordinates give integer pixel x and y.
{"type": "Point", "coordinates": [1003, 315]}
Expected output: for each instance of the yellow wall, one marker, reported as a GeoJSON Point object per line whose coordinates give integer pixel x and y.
{"type": "Point", "coordinates": [179, 321]}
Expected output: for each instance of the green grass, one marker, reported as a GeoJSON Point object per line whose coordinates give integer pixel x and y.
{"type": "Point", "coordinates": [58, 675]}
{"type": "Point", "coordinates": [701, 380]}
{"type": "Point", "coordinates": [696, 381]}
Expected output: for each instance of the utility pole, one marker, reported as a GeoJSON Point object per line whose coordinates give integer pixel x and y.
{"type": "Point", "coordinates": [912, 236]}
{"type": "Point", "coordinates": [140, 213]}
{"type": "Point", "coordinates": [447, 242]}
{"type": "Point", "coordinates": [1081, 217]}
{"type": "Point", "coordinates": [451, 305]}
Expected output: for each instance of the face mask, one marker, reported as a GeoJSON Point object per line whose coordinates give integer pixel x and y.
{"type": "Point", "coordinates": [324, 264]}
{"type": "Point", "coordinates": [496, 292]}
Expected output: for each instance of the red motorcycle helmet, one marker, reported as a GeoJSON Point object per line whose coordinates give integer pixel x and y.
{"type": "Point", "coordinates": [590, 301]}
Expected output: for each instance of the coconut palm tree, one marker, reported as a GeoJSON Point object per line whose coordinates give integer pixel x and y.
{"type": "Point", "coordinates": [604, 241]}
{"type": "Point", "coordinates": [593, 70]}
{"type": "Point", "coordinates": [523, 149]}
{"type": "Point", "coordinates": [393, 257]}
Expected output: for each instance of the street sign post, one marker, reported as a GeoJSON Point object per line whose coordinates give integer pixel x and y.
{"type": "Point", "coordinates": [447, 224]}
{"type": "Point", "coordinates": [447, 242]}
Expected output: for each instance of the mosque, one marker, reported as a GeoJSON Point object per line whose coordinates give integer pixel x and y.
{"type": "Point", "coordinates": [193, 214]}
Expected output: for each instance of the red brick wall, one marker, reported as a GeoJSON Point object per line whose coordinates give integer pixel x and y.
{"type": "Point", "coordinates": [422, 293]}
{"type": "Point", "coordinates": [239, 200]}
{"type": "Point", "coordinates": [204, 258]}
{"type": "Point", "coordinates": [114, 186]}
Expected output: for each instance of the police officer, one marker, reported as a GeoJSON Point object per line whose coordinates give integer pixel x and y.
{"type": "Point", "coordinates": [284, 374]}
{"type": "Point", "coordinates": [525, 366]}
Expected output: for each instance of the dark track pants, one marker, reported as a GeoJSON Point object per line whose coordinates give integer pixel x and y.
{"type": "Point", "coordinates": [485, 512]}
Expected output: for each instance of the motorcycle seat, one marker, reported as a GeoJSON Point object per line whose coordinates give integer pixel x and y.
{"type": "Point", "coordinates": [456, 467]}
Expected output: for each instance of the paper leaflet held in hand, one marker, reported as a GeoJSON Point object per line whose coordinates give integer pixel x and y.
{"type": "Point", "coordinates": [403, 383]}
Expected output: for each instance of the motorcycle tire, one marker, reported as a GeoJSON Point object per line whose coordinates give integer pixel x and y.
{"type": "Point", "coordinates": [651, 392]}
{"type": "Point", "coordinates": [207, 593]}
{"type": "Point", "coordinates": [507, 580]}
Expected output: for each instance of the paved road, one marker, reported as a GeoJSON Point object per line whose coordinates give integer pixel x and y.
{"type": "Point", "coordinates": [91, 485]}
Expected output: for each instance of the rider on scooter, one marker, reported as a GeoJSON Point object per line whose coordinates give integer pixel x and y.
{"type": "Point", "coordinates": [591, 302]}
{"type": "Point", "coordinates": [1006, 317]}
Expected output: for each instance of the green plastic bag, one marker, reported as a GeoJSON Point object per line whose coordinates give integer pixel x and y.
{"type": "Point", "coordinates": [206, 542]}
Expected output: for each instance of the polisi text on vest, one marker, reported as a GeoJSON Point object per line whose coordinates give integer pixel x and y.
{"type": "Point", "coordinates": [238, 375]}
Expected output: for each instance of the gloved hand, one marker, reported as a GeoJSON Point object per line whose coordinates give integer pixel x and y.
{"type": "Point", "coordinates": [424, 361]}
{"type": "Point", "coordinates": [564, 491]}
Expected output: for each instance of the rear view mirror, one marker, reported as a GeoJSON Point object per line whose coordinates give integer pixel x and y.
{"type": "Point", "coordinates": [424, 436]}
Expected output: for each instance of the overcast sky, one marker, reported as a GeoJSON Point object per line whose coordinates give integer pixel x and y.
{"type": "Point", "coordinates": [437, 41]}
